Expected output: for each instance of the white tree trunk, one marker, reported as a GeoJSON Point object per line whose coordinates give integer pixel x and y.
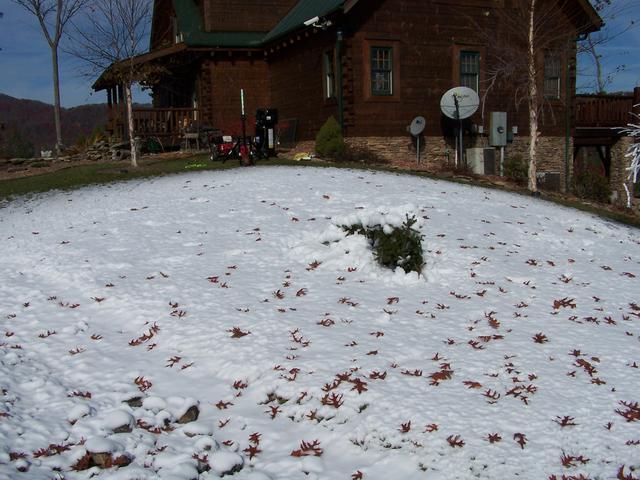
{"type": "Point", "coordinates": [132, 142]}
{"type": "Point", "coordinates": [56, 98]}
{"type": "Point", "coordinates": [533, 101]}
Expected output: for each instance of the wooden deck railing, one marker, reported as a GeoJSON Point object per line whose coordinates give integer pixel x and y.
{"type": "Point", "coordinates": [166, 123]}
{"type": "Point", "coordinates": [603, 111]}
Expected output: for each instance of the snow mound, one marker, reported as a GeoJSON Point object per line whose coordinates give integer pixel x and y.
{"type": "Point", "coordinates": [333, 250]}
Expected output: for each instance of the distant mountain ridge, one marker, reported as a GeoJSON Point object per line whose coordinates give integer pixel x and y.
{"type": "Point", "coordinates": [34, 121]}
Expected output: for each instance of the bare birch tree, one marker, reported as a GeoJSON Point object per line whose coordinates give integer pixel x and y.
{"type": "Point", "coordinates": [633, 154]}
{"type": "Point", "coordinates": [108, 38]}
{"type": "Point", "coordinates": [53, 17]}
{"type": "Point", "coordinates": [619, 17]}
{"type": "Point", "coordinates": [518, 41]}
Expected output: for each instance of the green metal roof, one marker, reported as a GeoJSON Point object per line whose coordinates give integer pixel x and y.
{"type": "Point", "coordinates": [303, 11]}
{"type": "Point", "coordinates": [194, 35]}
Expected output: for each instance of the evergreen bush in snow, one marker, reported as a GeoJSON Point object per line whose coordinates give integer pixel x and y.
{"type": "Point", "coordinates": [393, 246]}
{"type": "Point", "coordinates": [329, 141]}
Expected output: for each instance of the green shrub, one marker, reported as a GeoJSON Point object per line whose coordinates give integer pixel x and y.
{"type": "Point", "coordinates": [402, 247]}
{"type": "Point", "coordinates": [329, 141]}
{"type": "Point", "coordinates": [516, 168]}
{"type": "Point", "coordinates": [592, 186]}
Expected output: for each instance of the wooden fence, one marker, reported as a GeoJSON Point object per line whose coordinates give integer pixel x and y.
{"type": "Point", "coordinates": [605, 111]}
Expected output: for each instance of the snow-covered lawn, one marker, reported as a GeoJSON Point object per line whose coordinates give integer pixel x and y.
{"type": "Point", "coordinates": [515, 356]}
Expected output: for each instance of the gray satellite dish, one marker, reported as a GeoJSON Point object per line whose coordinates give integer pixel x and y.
{"type": "Point", "coordinates": [417, 126]}
{"type": "Point", "coordinates": [459, 103]}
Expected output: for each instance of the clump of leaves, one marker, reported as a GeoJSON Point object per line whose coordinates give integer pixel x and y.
{"type": "Point", "coordinates": [400, 247]}
{"type": "Point", "coordinates": [308, 449]}
{"type": "Point", "coordinates": [632, 412]}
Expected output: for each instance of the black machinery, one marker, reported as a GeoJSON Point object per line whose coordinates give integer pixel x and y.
{"type": "Point", "coordinates": [265, 138]}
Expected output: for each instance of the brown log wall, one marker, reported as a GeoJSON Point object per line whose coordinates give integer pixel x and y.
{"type": "Point", "coordinates": [220, 84]}
{"type": "Point", "coordinates": [429, 35]}
{"type": "Point", "coordinates": [244, 15]}
{"type": "Point", "coordinates": [295, 78]}
{"type": "Point", "coordinates": [162, 28]}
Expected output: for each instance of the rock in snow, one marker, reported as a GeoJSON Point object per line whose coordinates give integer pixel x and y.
{"type": "Point", "coordinates": [225, 463]}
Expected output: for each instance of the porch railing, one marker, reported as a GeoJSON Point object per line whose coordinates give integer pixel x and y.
{"type": "Point", "coordinates": [164, 123]}
{"type": "Point", "coordinates": [603, 111]}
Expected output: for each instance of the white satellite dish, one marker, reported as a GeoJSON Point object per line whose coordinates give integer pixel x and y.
{"type": "Point", "coordinates": [417, 126]}
{"type": "Point", "coordinates": [459, 103]}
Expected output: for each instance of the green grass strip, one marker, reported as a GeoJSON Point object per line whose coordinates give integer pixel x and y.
{"type": "Point", "coordinates": [102, 173]}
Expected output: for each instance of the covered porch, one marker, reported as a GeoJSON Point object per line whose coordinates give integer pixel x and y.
{"type": "Point", "coordinates": [600, 121]}
{"type": "Point", "coordinates": [600, 142]}
{"type": "Point", "coordinates": [175, 109]}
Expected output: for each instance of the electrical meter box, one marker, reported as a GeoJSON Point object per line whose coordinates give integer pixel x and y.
{"type": "Point", "coordinates": [498, 129]}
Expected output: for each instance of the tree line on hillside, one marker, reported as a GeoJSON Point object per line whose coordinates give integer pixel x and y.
{"type": "Point", "coordinates": [105, 34]}
{"type": "Point", "coordinates": [26, 126]}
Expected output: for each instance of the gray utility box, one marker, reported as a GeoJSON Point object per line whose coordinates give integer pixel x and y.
{"type": "Point", "coordinates": [482, 161]}
{"type": "Point", "coordinates": [498, 129]}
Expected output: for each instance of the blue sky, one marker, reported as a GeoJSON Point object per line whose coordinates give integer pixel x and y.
{"type": "Point", "coordinates": [25, 62]}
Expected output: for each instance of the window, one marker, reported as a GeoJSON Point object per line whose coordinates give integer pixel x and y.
{"type": "Point", "coordinates": [328, 64]}
{"type": "Point", "coordinates": [552, 75]}
{"type": "Point", "coordinates": [381, 70]}
{"type": "Point", "coordinates": [381, 61]}
{"type": "Point", "coordinates": [470, 70]}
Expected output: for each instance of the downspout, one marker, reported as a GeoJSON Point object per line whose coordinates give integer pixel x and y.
{"type": "Point", "coordinates": [567, 112]}
{"type": "Point", "coordinates": [567, 124]}
{"type": "Point", "coordinates": [339, 40]}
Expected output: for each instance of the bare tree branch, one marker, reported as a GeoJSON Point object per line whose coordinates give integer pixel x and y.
{"type": "Point", "coordinates": [53, 17]}
{"type": "Point", "coordinates": [518, 39]}
{"type": "Point", "coordinates": [108, 38]}
{"type": "Point", "coordinates": [620, 16]}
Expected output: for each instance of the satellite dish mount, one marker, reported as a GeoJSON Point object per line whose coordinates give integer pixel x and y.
{"type": "Point", "coordinates": [458, 104]}
{"type": "Point", "coordinates": [416, 128]}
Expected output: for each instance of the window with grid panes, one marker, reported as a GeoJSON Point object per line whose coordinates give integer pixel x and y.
{"type": "Point", "coordinates": [381, 70]}
{"type": "Point", "coordinates": [552, 75]}
{"type": "Point", "coordinates": [329, 74]}
{"type": "Point", "coordinates": [470, 70]}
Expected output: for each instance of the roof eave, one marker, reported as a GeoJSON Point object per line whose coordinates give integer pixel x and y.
{"type": "Point", "coordinates": [595, 21]}
{"type": "Point", "coordinates": [102, 83]}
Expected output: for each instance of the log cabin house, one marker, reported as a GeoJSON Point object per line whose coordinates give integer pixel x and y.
{"type": "Point", "coordinates": [372, 64]}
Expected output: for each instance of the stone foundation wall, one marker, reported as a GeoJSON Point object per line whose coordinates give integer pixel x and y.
{"type": "Point", "coordinates": [401, 151]}
{"type": "Point", "coordinates": [438, 154]}
{"type": "Point", "coordinates": [551, 152]}
{"type": "Point", "coordinates": [619, 174]}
